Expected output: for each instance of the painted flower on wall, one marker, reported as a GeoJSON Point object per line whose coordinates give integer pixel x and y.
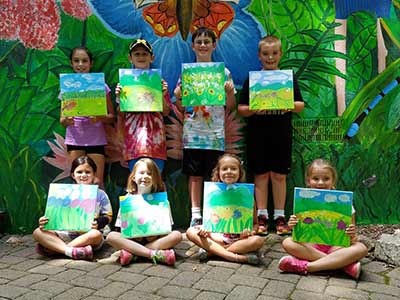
{"type": "Point", "coordinates": [61, 159]}
{"type": "Point", "coordinates": [36, 22]}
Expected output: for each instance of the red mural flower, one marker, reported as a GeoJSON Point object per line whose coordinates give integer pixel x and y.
{"type": "Point", "coordinates": [39, 22]}
{"type": "Point", "coordinates": [76, 8]}
{"type": "Point", "coordinates": [8, 16]}
{"type": "Point", "coordinates": [36, 22]}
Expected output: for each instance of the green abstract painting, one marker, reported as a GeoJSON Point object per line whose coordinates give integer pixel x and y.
{"type": "Point", "coordinates": [228, 208]}
{"type": "Point", "coordinates": [145, 215]}
{"type": "Point", "coordinates": [141, 90]}
{"type": "Point", "coordinates": [323, 216]}
{"type": "Point", "coordinates": [71, 206]}
{"type": "Point", "coordinates": [271, 89]}
{"type": "Point", "coordinates": [83, 94]}
{"type": "Point", "coordinates": [203, 84]}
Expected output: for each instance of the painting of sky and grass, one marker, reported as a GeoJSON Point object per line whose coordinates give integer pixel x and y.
{"type": "Point", "coordinates": [83, 94]}
{"type": "Point", "coordinates": [203, 84]}
{"type": "Point", "coordinates": [228, 208]}
{"type": "Point", "coordinates": [323, 216]}
{"type": "Point", "coordinates": [71, 206]}
{"type": "Point", "coordinates": [145, 215]}
{"type": "Point", "coordinates": [271, 90]}
{"type": "Point", "coordinates": [141, 90]}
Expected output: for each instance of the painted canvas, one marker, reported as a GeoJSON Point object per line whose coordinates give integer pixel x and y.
{"type": "Point", "coordinates": [83, 94]}
{"type": "Point", "coordinates": [71, 206]}
{"type": "Point", "coordinates": [203, 84]}
{"type": "Point", "coordinates": [145, 215]}
{"type": "Point", "coordinates": [141, 90]}
{"type": "Point", "coordinates": [323, 216]}
{"type": "Point", "coordinates": [271, 90]}
{"type": "Point", "coordinates": [228, 208]}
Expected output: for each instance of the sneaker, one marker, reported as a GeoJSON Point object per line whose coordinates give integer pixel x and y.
{"type": "Point", "coordinates": [293, 265]}
{"type": "Point", "coordinates": [202, 254]}
{"type": "Point", "coordinates": [82, 252]}
{"type": "Point", "coordinates": [253, 259]}
{"type": "Point", "coordinates": [281, 226]}
{"type": "Point", "coordinates": [262, 225]}
{"type": "Point", "coordinates": [353, 270]}
{"type": "Point", "coordinates": [43, 251]}
{"type": "Point", "coordinates": [164, 256]}
{"type": "Point", "coordinates": [125, 257]}
{"type": "Point", "coordinates": [196, 222]}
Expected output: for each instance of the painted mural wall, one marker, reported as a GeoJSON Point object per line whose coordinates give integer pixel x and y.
{"type": "Point", "coordinates": [346, 55]}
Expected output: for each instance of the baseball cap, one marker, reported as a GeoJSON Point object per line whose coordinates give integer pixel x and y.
{"type": "Point", "coordinates": [140, 42]}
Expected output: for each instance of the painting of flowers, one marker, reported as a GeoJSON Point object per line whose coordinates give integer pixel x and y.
{"type": "Point", "coordinates": [71, 206]}
{"type": "Point", "coordinates": [228, 208]}
{"type": "Point", "coordinates": [323, 216]}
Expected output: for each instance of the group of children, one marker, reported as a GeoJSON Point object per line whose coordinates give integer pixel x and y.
{"type": "Point", "coordinates": [269, 142]}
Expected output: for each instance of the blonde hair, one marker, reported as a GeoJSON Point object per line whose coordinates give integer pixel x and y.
{"type": "Point", "coordinates": [157, 184]}
{"type": "Point", "coordinates": [323, 164]}
{"type": "Point", "coordinates": [269, 39]}
{"type": "Point", "coordinates": [215, 171]}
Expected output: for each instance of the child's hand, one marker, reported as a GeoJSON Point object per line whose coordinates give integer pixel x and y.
{"type": "Point", "coordinates": [229, 87]}
{"type": "Point", "coordinates": [94, 224]}
{"type": "Point", "coordinates": [178, 91]}
{"type": "Point", "coordinates": [351, 232]}
{"type": "Point", "coordinates": [202, 232]}
{"type": "Point", "coordinates": [245, 233]}
{"type": "Point", "coordinates": [67, 121]}
{"type": "Point", "coordinates": [292, 221]}
{"type": "Point", "coordinates": [43, 221]}
{"type": "Point", "coordinates": [118, 89]}
{"type": "Point", "coordinates": [164, 86]}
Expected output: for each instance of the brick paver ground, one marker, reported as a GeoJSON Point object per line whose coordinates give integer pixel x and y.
{"type": "Point", "coordinates": [26, 275]}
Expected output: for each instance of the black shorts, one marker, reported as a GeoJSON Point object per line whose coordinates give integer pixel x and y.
{"type": "Point", "coordinates": [200, 162]}
{"type": "Point", "coordinates": [87, 149]}
{"type": "Point", "coordinates": [269, 154]}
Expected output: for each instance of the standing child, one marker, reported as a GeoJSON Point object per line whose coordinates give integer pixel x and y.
{"type": "Point", "coordinates": [269, 142]}
{"type": "Point", "coordinates": [144, 132]}
{"type": "Point", "coordinates": [71, 243]}
{"type": "Point", "coordinates": [144, 179]}
{"type": "Point", "coordinates": [308, 258]}
{"type": "Point", "coordinates": [232, 247]}
{"type": "Point", "coordinates": [86, 135]}
{"type": "Point", "coordinates": [203, 125]}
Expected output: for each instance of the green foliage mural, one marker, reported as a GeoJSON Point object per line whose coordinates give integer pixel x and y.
{"type": "Point", "coordinates": [32, 57]}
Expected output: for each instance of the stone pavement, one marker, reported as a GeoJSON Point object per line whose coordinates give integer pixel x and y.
{"type": "Point", "coordinates": [26, 275]}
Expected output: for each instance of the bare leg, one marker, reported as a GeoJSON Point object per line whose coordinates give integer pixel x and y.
{"type": "Point", "coordinates": [279, 190]}
{"type": "Point", "coordinates": [166, 242]}
{"type": "Point", "coordinates": [100, 160]}
{"type": "Point", "coordinates": [301, 250]}
{"type": "Point", "coordinates": [251, 244]}
{"type": "Point", "coordinates": [92, 237]}
{"type": "Point", "coordinates": [195, 190]}
{"type": "Point", "coordinates": [49, 240]}
{"type": "Point", "coordinates": [118, 242]}
{"type": "Point", "coordinates": [261, 189]}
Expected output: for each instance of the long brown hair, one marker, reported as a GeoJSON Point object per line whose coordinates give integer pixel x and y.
{"type": "Point", "coordinates": [157, 182]}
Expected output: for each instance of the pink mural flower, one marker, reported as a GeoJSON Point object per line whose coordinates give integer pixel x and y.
{"type": "Point", "coordinates": [233, 134]}
{"type": "Point", "coordinates": [38, 23]}
{"type": "Point", "coordinates": [8, 17]}
{"type": "Point", "coordinates": [61, 157]}
{"type": "Point", "coordinates": [76, 8]}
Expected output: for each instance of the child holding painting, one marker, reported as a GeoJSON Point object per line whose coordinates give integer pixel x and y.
{"type": "Point", "coordinates": [232, 247]}
{"type": "Point", "coordinates": [144, 132]}
{"type": "Point", "coordinates": [86, 135]}
{"type": "Point", "coordinates": [203, 129]}
{"type": "Point", "coordinates": [74, 244]}
{"type": "Point", "coordinates": [269, 142]}
{"type": "Point", "coordinates": [308, 258]}
{"type": "Point", "coordinates": [144, 179]}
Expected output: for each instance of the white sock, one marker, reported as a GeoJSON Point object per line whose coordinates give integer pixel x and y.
{"type": "Point", "coordinates": [68, 251]}
{"type": "Point", "coordinates": [279, 213]}
{"type": "Point", "coordinates": [196, 213]}
{"type": "Point", "coordinates": [262, 212]}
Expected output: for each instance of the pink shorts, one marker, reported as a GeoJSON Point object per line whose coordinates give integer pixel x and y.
{"type": "Point", "coordinates": [323, 248]}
